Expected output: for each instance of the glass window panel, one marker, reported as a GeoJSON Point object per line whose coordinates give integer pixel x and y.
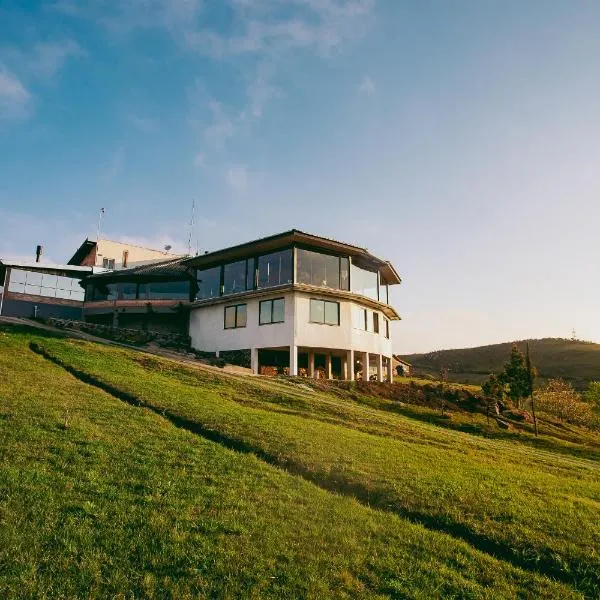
{"type": "Point", "coordinates": [18, 276]}
{"type": "Point", "coordinates": [75, 281]}
{"type": "Point", "coordinates": [265, 312]}
{"type": "Point", "coordinates": [49, 280]}
{"type": "Point", "coordinates": [275, 269]}
{"type": "Point", "coordinates": [112, 291]}
{"type": "Point", "coordinates": [319, 269]}
{"type": "Point", "coordinates": [278, 310]}
{"type": "Point", "coordinates": [376, 322]}
{"type": "Point", "coordinates": [63, 294]}
{"type": "Point", "coordinates": [242, 315]}
{"type": "Point", "coordinates": [364, 282]}
{"type": "Point", "coordinates": [234, 277]}
{"type": "Point", "coordinates": [78, 295]}
{"type": "Point", "coordinates": [33, 289]}
{"type": "Point", "coordinates": [344, 274]}
{"type": "Point", "coordinates": [127, 291]}
{"type": "Point", "coordinates": [229, 317]}
{"type": "Point", "coordinates": [209, 283]}
{"type": "Point", "coordinates": [16, 287]}
{"type": "Point", "coordinates": [34, 278]}
{"type": "Point", "coordinates": [63, 283]}
{"type": "Point", "coordinates": [317, 311]}
{"type": "Point", "coordinates": [332, 313]}
{"type": "Point", "coordinates": [369, 316]}
{"type": "Point", "coordinates": [358, 318]}
{"type": "Point", "coordinates": [167, 290]}
{"type": "Point", "coordinates": [250, 276]}
{"type": "Point", "coordinates": [48, 292]}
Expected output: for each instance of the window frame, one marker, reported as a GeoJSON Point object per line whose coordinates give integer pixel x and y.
{"type": "Point", "coordinates": [236, 307]}
{"type": "Point", "coordinates": [272, 301]}
{"type": "Point", "coordinates": [324, 321]}
{"type": "Point", "coordinates": [375, 322]}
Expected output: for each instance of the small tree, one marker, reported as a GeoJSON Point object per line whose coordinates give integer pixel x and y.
{"type": "Point", "coordinates": [592, 396]}
{"type": "Point", "coordinates": [558, 398]}
{"type": "Point", "coordinates": [494, 392]}
{"type": "Point", "coordinates": [516, 377]}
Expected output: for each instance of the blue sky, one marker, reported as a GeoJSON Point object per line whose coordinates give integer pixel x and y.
{"type": "Point", "coordinates": [459, 139]}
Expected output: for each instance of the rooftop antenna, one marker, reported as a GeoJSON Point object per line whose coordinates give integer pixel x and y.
{"type": "Point", "coordinates": [192, 223]}
{"type": "Point", "coordinates": [99, 222]}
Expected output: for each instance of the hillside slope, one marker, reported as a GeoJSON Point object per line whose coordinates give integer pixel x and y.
{"type": "Point", "coordinates": [575, 361]}
{"type": "Point", "coordinates": [127, 475]}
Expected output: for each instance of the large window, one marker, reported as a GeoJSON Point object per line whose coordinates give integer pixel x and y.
{"type": "Point", "coordinates": [234, 277]}
{"type": "Point", "coordinates": [275, 269]}
{"type": "Point", "coordinates": [164, 290]}
{"type": "Point", "coordinates": [323, 311]}
{"type": "Point", "coordinates": [364, 282]}
{"type": "Point", "coordinates": [235, 316]}
{"type": "Point", "coordinates": [324, 270]}
{"type": "Point", "coordinates": [272, 311]}
{"type": "Point", "coordinates": [45, 284]}
{"type": "Point", "coordinates": [209, 283]}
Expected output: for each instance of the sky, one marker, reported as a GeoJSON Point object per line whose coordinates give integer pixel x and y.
{"type": "Point", "coordinates": [458, 139]}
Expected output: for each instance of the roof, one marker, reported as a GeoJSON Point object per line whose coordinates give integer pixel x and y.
{"type": "Point", "coordinates": [164, 269]}
{"type": "Point", "coordinates": [45, 266]}
{"type": "Point", "coordinates": [399, 359]}
{"type": "Point", "coordinates": [294, 237]}
{"type": "Point", "coordinates": [82, 252]}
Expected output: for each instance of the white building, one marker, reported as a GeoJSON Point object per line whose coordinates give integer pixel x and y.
{"type": "Point", "coordinates": [298, 303]}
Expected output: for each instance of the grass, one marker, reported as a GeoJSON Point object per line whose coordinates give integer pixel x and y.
{"type": "Point", "coordinates": [574, 360]}
{"type": "Point", "coordinates": [225, 486]}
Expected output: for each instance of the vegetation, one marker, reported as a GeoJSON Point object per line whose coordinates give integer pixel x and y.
{"type": "Point", "coordinates": [575, 361]}
{"type": "Point", "coordinates": [143, 477]}
{"type": "Point", "coordinates": [558, 398]}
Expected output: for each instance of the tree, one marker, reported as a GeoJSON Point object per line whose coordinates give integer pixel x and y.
{"type": "Point", "coordinates": [531, 373]}
{"type": "Point", "coordinates": [558, 398]}
{"type": "Point", "coordinates": [592, 396]}
{"type": "Point", "coordinates": [494, 392]}
{"type": "Point", "coordinates": [516, 376]}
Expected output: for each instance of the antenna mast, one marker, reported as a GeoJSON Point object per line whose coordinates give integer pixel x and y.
{"type": "Point", "coordinates": [99, 222]}
{"type": "Point", "coordinates": [192, 223]}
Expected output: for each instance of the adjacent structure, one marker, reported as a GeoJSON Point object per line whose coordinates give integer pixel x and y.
{"type": "Point", "coordinates": [33, 289]}
{"type": "Point", "coordinates": [297, 303]}
{"type": "Point", "coordinates": [117, 255]}
{"type": "Point", "coordinates": [154, 297]}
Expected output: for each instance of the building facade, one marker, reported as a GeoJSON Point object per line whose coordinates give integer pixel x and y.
{"type": "Point", "coordinates": [41, 290]}
{"type": "Point", "coordinates": [112, 255]}
{"type": "Point", "coordinates": [298, 304]}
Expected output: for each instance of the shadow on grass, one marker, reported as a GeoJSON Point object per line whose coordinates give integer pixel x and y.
{"type": "Point", "coordinates": [524, 557]}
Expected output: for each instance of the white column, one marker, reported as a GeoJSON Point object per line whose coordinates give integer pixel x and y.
{"type": "Point", "coordinates": [391, 368]}
{"type": "Point", "coordinates": [379, 367]}
{"type": "Point", "coordinates": [293, 361]}
{"type": "Point", "coordinates": [350, 365]}
{"type": "Point", "coordinates": [254, 360]}
{"type": "Point", "coordinates": [328, 373]}
{"type": "Point", "coordinates": [311, 364]}
{"type": "Point", "coordinates": [366, 366]}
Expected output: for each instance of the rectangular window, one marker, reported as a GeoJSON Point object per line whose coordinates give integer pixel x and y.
{"type": "Point", "coordinates": [251, 274]}
{"type": "Point", "coordinates": [275, 269]}
{"type": "Point", "coordinates": [314, 268]}
{"type": "Point", "coordinates": [125, 258]}
{"type": "Point", "coordinates": [387, 329]}
{"type": "Point", "coordinates": [235, 316]}
{"type": "Point", "coordinates": [209, 283]}
{"type": "Point", "coordinates": [45, 284]}
{"type": "Point", "coordinates": [234, 277]}
{"type": "Point", "coordinates": [164, 290]}
{"type": "Point", "coordinates": [271, 311]}
{"type": "Point", "coordinates": [376, 322]}
{"type": "Point", "coordinates": [323, 311]}
{"type": "Point", "coordinates": [364, 282]}
{"type": "Point", "coordinates": [108, 263]}
{"type": "Point", "coordinates": [359, 318]}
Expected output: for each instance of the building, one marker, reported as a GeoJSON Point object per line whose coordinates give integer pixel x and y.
{"type": "Point", "coordinates": [402, 367]}
{"type": "Point", "coordinates": [152, 297]}
{"type": "Point", "coordinates": [116, 255]}
{"type": "Point", "coordinates": [33, 289]}
{"type": "Point", "coordinates": [296, 303]}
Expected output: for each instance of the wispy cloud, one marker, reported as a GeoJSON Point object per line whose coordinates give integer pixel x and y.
{"type": "Point", "coordinates": [237, 178]}
{"type": "Point", "coordinates": [15, 100]}
{"type": "Point", "coordinates": [222, 126]}
{"type": "Point", "coordinates": [367, 87]}
{"type": "Point", "coordinates": [116, 164]}
{"type": "Point", "coordinates": [46, 59]}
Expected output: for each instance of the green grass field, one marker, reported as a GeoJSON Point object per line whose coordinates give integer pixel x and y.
{"type": "Point", "coordinates": [140, 477]}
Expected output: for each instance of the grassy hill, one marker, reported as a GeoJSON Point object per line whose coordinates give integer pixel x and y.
{"type": "Point", "coordinates": [127, 475]}
{"type": "Point", "coordinates": [573, 360]}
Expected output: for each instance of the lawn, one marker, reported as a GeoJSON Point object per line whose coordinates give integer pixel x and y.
{"type": "Point", "coordinates": [201, 484]}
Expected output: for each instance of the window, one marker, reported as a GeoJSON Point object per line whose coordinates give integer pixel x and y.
{"type": "Point", "coordinates": [364, 282]}
{"type": "Point", "coordinates": [359, 318]}
{"type": "Point", "coordinates": [48, 285]}
{"type": "Point", "coordinates": [323, 311]}
{"type": "Point", "coordinates": [251, 274]}
{"type": "Point", "coordinates": [375, 322]}
{"type": "Point", "coordinates": [387, 329]}
{"type": "Point", "coordinates": [125, 258]}
{"type": "Point", "coordinates": [108, 263]}
{"type": "Point", "coordinates": [272, 311]}
{"type": "Point", "coordinates": [275, 269]}
{"type": "Point", "coordinates": [235, 316]}
{"type": "Point", "coordinates": [324, 270]}
{"type": "Point", "coordinates": [163, 290]}
{"type": "Point", "coordinates": [234, 277]}
{"type": "Point", "coordinates": [209, 283]}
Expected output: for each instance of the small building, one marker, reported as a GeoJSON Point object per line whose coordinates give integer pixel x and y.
{"type": "Point", "coordinates": [296, 303]}
{"type": "Point", "coordinates": [402, 367]}
{"type": "Point", "coordinates": [112, 255]}
{"type": "Point", "coordinates": [34, 289]}
{"type": "Point", "coordinates": [152, 297]}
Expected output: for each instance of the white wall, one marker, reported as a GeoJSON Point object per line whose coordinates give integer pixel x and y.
{"type": "Point", "coordinates": [208, 333]}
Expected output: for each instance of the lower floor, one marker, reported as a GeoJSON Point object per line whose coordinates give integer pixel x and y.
{"type": "Point", "coordinates": [321, 363]}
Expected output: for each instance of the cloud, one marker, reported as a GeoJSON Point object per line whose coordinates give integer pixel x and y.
{"type": "Point", "coordinates": [367, 87]}
{"type": "Point", "coordinates": [15, 100]}
{"type": "Point", "coordinates": [200, 160]}
{"type": "Point", "coordinates": [46, 59]}
{"type": "Point", "coordinates": [222, 126]}
{"type": "Point", "coordinates": [237, 178]}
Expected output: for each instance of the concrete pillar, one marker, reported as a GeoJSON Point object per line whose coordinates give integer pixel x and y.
{"type": "Point", "coordinates": [254, 360]}
{"type": "Point", "coordinates": [328, 373]}
{"type": "Point", "coordinates": [350, 365]}
{"type": "Point", "coordinates": [311, 364]}
{"type": "Point", "coordinates": [366, 366]}
{"type": "Point", "coordinates": [293, 361]}
{"type": "Point", "coordinates": [380, 367]}
{"type": "Point", "coordinates": [391, 368]}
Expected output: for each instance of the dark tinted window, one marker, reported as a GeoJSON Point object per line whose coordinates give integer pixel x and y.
{"type": "Point", "coordinates": [314, 268]}
{"type": "Point", "coordinates": [234, 277]}
{"type": "Point", "coordinates": [272, 311]}
{"type": "Point", "coordinates": [209, 283]}
{"type": "Point", "coordinates": [275, 269]}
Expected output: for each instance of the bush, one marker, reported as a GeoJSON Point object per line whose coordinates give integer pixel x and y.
{"type": "Point", "coordinates": [558, 398]}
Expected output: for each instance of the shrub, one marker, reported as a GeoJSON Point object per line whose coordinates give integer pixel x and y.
{"type": "Point", "coordinates": [558, 398]}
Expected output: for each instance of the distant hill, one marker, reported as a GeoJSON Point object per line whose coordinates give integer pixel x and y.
{"type": "Point", "coordinates": [573, 360]}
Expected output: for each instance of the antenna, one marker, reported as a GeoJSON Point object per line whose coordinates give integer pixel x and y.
{"type": "Point", "coordinates": [192, 223]}
{"type": "Point", "coordinates": [98, 228]}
